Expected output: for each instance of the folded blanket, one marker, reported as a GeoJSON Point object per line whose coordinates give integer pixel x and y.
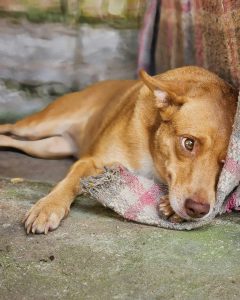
{"type": "Point", "coordinates": [137, 198]}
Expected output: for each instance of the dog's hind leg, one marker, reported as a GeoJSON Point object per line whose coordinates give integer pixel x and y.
{"type": "Point", "coordinates": [52, 147]}
{"type": "Point", "coordinates": [36, 126]}
{"type": "Point", "coordinates": [54, 120]}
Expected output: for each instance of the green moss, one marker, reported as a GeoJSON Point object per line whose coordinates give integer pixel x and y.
{"type": "Point", "coordinates": [115, 22]}
{"type": "Point", "coordinates": [22, 192]}
{"type": "Point", "coordinates": [37, 16]}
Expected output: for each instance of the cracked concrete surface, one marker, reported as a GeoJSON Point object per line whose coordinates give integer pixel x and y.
{"type": "Point", "coordinates": [95, 254]}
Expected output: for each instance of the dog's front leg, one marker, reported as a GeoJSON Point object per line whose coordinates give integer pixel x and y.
{"type": "Point", "coordinates": [47, 213]}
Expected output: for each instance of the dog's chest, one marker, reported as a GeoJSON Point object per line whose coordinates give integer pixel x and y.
{"type": "Point", "coordinates": [146, 168]}
{"type": "Point", "coordinates": [141, 164]}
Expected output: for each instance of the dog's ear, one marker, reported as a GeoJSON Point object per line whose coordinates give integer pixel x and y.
{"type": "Point", "coordinates": [168, 94]}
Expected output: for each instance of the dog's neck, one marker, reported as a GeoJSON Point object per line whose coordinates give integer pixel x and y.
{"type": "Point", "coordinates": [145, 122]}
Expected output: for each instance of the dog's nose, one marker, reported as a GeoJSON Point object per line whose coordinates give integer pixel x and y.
{"type": "Point", "coordinates": [196, 209]}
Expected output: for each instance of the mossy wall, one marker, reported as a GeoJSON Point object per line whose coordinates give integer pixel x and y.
{"type": "Point", "coordinates": [122, 13]}
{"type": "Point", "coordinates": [52, 47]}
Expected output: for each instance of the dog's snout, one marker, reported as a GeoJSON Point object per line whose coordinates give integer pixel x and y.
{"type": "Point", "coordinates": [196, 209]}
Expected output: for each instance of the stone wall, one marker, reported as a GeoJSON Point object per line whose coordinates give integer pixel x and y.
{"type": "Point", "coordinates": [48, 48]}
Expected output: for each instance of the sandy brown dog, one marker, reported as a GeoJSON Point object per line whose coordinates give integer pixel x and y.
{"type": "Point", "coordinates": [174, 126]}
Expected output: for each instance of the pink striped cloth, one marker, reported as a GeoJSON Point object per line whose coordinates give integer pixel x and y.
{"type": "Point", "coordinates": [137, 198]}
{"type": "Point", "coordinates": [192, 32]}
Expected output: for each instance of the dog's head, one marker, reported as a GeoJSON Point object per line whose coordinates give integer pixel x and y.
{"type": "Point", "coordinates": [194, 113]}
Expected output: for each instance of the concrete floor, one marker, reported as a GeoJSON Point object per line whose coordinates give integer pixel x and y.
{"type": "Point", "coordinates": [95, 254]}
{"type": "Point", "coordinates": [15, 164]}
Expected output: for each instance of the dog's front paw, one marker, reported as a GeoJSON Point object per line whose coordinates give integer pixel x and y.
{"type": "Point", "coordinates": [166, 210]}
{"type": "Point", "coordinates": [44, 216]}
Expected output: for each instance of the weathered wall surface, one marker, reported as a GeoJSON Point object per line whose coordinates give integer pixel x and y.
{"type": "Point", "coordinates": [36, 54]}
{"type": "Point", "coordinates": [49, 48]}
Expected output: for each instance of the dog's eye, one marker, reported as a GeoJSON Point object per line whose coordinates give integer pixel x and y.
{"type": "Point", "coordinates": [188, 144]}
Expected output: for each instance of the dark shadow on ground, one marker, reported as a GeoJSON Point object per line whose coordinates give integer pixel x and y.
{"type": "Point", "coordinates": [16, 164]}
